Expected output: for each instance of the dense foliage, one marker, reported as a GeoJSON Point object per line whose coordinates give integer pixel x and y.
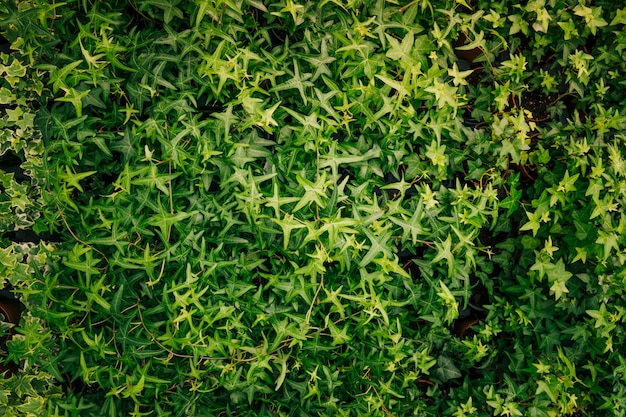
{"type": "Point", "coordinates": [359, 208]}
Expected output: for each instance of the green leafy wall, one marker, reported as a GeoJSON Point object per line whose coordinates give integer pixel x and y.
{"type": "Point", "coordinates": [325, 208]}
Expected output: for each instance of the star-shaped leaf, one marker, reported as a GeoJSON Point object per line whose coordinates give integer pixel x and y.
{"type": "Point", "coordinates": [288, 223]}
{"type": "Point", "coordinates": [165, 221]}
{"type": "Point", "coordinates": [412, 228]}
{"type": "Point", "coordinates": [620, 17]}
{"type": "Point", "coordinates": [74, 97]}
{"type": "Point", "coordinates": [73, 179]}
{"type": "Point", "coordinates": [444, 251]}
{"type": "Point", "coordinates": [298, 81]}
{"type": "Point", "coordinates": [313, 192]}
{"type": "Point", "coordinates": [458, 77]}
{"type": "Point", "coordinates": [399, 50]}
{"type": "Point", "coordinates": [379, 244]}
{"type": "Point", "coordinates": [558, 276]}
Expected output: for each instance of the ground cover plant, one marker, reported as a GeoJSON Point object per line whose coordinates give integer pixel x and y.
{"type": "Point", "coordinates": [360, 208]}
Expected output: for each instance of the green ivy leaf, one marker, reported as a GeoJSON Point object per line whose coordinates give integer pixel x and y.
{"type": "Point", "coordinates": [72, 179]}
{"type": "Point", "coordinates": [380, 244]}
{"type": "Point", "coordinates": [446, 370]}
{"type": "Point", "coordinates": [399, 50]}
{"type": "Point", "coordinates": [313, 192]}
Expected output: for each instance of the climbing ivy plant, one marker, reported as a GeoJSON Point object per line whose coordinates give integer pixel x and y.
{"type": "Point", "coordinates": [327, 208]}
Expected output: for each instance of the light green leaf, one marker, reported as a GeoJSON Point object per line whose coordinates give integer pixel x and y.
{"type": "Point", "coordinates": [379, 244]}
{"type": "Point", "coordinates": [399, 50]}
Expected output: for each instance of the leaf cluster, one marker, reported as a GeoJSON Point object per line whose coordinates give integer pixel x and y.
{"type": "Point", "coordinates": [315, 208]}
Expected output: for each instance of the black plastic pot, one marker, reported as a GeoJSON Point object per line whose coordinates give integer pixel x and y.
{"type": "Point", "coordinates": [10, 312]}
{"type": "Point", "coordinates": [5, 45]}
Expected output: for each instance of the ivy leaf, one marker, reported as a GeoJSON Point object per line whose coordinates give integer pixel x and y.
{"type": "Point", "coordinates": [295, 10]}
{"type": "Point", "coordinates": [332, 296]}
{"type": "Point", "coordinates": [568, 183]}
{"type": "Point", "coordinates": [133, 390]}
{"type": "Point", "coordinates": [267, 118]}
{"type": "Point", "coordinates": [73, 179]}
{"type": "Point", "coordinates": [58, 76]}
{"type": "Point", "coordinates": [391, 266]}
{"type": "Point", "coordinates": [464, 3]}
{"type": "Point", "coordinates": [620, 17]}
{"type": "Point", "coordinates": [608, 241]}
{"type": "Point", "coordinates": [437, 154]}
{"type": "Point", "coordinates": [569, 28]}
{"type": "Point", "coordinates": [313, 192]}
{"type": "Point", "coordinates": [445, 94]}
{"type": "Point", "coordinates": [170, 11]}
{"type": "Point", "coordinates": [81, 259]}
{"type": "Point", "coordinates": [558, 288]}
{"type": "Point", "coordinates": [541, 214]}
{"type": "Point", "coordinates": [559, 276]}
{"type": "Point", "coordinates": [165, 221]}
{"type": "Point", "coordinates": [14, 115]}
{"type": "Point", "coordinates": [379, 244]}
{"type": "Point", "coordinates": [446, 370]}
{"type": "Point", "coordinates": [298, 81]}
{"type": "Point", "coordinates": [592, 15]}
{"type": "Point", "coordinates": [401, 89]}
{"type": "Point", "coordinates": [276, 201]}
{"type": "Point", "coordinates": [320, 63]}
{"type": "Point", "coordinates": [413, 227]}
{"type": "Point", "coordinates": [551, 389]}
{"type": "Point", "coordinates": [444, 251]}
{"type": "Point", "coordinates": [92, 61]}
{"type": "Point", "coordinates": [288, 223]}
{"type": "Point", "coordinates": [340, 336]}
{"type": "Point", "coordinates": [458, 77]}
{"type": "Point", "coordinates": [310, 124]}
{"type": "Point", "coordinates": [539, 409]}
{"type": "Point", "coordinates": [422, 47]}
{"type": "Point", "coordinates": [399, 50]}
{"type": "Point", "coordinates": [333, 159]}
{"type": "Point", "coordinates": [154, 178]}
{"type": "Point", "coordinates": [75, 98]}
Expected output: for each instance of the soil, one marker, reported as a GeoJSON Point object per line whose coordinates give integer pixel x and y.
{"type": "Point", "coordinates": [538, 103]}
{"type": "Point", "coordinates": [475, 77]}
